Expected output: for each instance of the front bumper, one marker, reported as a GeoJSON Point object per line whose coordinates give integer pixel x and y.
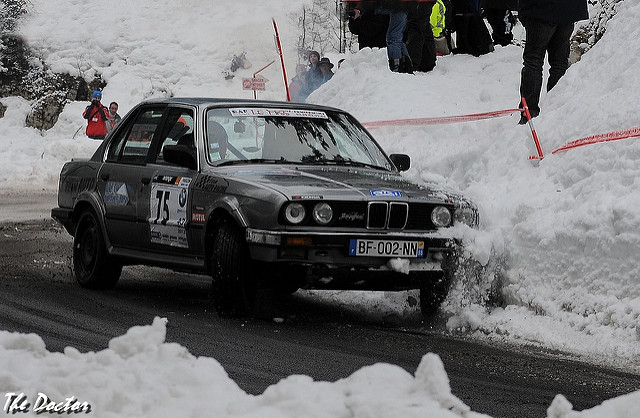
{"type": "Point", "coordinates": [333, 247]}
{"type": "Point", "coordinates": [322, 261]}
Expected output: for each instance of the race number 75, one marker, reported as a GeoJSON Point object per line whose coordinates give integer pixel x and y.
{"type": "Point", "coordinates": [163, 206]}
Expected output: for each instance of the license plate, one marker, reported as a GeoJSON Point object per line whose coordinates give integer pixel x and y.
{"type": "Point", "coordinates": [386, 248]}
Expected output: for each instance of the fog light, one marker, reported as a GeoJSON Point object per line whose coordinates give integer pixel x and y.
{"type": "Point", "coordinates": [436, 256]}
{"type": "Point", "coordinates": [295, 253]}
{"type": "Point", "coordinates": [299, 241]}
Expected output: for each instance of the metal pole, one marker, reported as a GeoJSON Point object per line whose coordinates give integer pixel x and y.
{"type": "Point", "coordinates": [284, 70]}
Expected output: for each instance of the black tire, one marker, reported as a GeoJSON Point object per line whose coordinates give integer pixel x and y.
{"type": "Point", "coordinates": [287, 287]}
{"type": "Point", "coordinates": [288, 279]}
{"type": "Point", "coordinates": [92, 265]}
{"type": "Point", "coordinates": [434, 293]}
{"type": "Point", "coordinates": [234, 282]}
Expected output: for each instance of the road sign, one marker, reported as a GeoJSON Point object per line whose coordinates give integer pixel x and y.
{"type": "Point", "coordinates": [256, 83]}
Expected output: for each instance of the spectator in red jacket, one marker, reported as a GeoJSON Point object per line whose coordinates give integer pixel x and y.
{"type": "Point", "coordinates": [298, 82]}
{"type": "Point", "coordinates": [96, 116]}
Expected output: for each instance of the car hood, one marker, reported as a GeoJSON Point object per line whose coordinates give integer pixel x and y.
{"type": "Point", "coordinates": [337, 183]}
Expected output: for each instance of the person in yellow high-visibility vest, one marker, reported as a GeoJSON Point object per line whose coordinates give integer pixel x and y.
{"type": "Point", "coordinates": [437, 18]}
{"type": "Point", "coordinates": [438, 24]}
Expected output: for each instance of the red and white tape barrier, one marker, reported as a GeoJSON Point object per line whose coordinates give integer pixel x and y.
{"type": "Point", "coordinates": [463, 118]}
{"type": "Point", "coordinates": [594, 139]}
{"type": "Point", "coordinates": [439, 120]}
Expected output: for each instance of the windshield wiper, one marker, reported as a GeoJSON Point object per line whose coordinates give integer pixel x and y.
{"type": "Point", "coordinates": [360, 164]}
{"type": "Point", "coordinates": [255, 161]}
{"type": "Point", "coordinates": [352, 163]}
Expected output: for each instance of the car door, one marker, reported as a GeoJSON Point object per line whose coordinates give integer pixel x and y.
{"type": "Point", "coordinates": [165, 195]}
{"type": "Point", "coordinates": [122, 176]}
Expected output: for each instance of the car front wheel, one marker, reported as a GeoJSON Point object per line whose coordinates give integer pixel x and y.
{"type": "Point", "coordinates": [234, 280]}
{"type": "Point", "coordinates": [432, 294]}
{"type": "Point", "coordinates": [93, 267]}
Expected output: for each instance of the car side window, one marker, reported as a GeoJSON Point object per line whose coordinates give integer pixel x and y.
{"type": "Point", "coordinates": [180, 131]}
{"type": "Point", "coordinates": [133, 143]}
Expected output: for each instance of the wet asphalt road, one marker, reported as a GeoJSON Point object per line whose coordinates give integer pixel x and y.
{"type": "Point", "coordinates": [327, 342]}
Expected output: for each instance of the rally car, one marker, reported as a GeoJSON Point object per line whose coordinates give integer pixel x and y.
{"type": "Point", "coordinates": [257, 194]}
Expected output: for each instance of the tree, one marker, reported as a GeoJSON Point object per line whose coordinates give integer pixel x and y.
{"type": "Point", "coordinates": [322, 28]}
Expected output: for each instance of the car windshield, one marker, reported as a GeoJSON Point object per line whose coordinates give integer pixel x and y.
{"type": "Point", "coordinates": [281, 135]}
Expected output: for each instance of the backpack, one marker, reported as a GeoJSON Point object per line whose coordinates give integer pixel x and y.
{"type": "Point", "coordinates": [472, 35]}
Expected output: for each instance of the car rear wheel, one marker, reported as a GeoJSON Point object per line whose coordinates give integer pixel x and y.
{"type": "Point", "coordinates": [92, 265]}
{"type": "Point", "coordinates": [234, 280]}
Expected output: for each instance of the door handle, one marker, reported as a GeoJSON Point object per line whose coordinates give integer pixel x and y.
{"type": "Point", "coordinates": [146, 180]}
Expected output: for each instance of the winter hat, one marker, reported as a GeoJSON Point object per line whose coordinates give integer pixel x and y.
{"type": "Point", "coordinates": [314, 53]}
{"type": "Point", "coordinates": [325, 61]}
{"type": "Point", "coordinates": [97, 95]}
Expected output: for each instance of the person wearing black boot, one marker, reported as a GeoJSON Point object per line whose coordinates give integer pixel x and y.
{"type": "Point", "coordinates": [399, 60]}
{"type": "Point", "coordinates": [548, 25]}
{"type": "Point", "coordinates": [396, 48]}
{"type": "Point", "coordinates": [419, 37]}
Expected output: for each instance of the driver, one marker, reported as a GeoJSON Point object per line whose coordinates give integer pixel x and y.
{"type": "Point", "coordinates": [217, 140]}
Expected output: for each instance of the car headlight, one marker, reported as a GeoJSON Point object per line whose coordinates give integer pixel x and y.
{"type": "Point", "coordinates": [440, 216]}
{"type": "Point", "coordinates": [322, 213]}
{"type": "Point", "coordinates": [467, 216]}
{"type": "Point", "coordinates": [294, 213]}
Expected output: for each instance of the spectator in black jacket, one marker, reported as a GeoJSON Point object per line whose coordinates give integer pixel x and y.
{"type": "Point", "coordinates": [370, 27]}
{"type": "Point", "coordinates": [325, 68]}
{"type": "Point", "coordinates": [500, 18]}
{"type": "Point", "coordinates": [313, 79]}
{"type": "Point", "coordinates": [419, 37]}
{"type": "Point", "coordinates": [548, 25]}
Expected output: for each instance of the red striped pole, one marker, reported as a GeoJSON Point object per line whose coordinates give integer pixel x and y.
{"type": "Point", "coordinates": [540, 156]}
{"type": "Point", "coordinates": [284, 70]}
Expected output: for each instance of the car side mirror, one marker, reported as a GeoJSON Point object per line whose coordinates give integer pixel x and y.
{"type": "Point", "coordinates": [180, 155]}
{"type": "Point", "coordinates": [401, 161]}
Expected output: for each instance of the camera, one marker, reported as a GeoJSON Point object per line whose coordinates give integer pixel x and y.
{"type": "Point", "coordinates": [352, 13]}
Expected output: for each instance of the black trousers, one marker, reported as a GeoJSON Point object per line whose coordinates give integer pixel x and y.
{"type": "Point", "coordinates": [419, 37]}
{"type": "Point", "coordinates": [543, 38]}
